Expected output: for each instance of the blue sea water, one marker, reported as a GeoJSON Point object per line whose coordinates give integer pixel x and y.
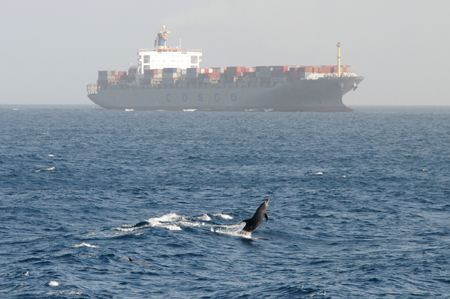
{"type": "Point", "coordinates": [148, 204]}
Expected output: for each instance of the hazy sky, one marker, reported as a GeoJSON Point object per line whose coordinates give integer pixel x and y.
{"type": "Point", "coordinates": [50, 50]}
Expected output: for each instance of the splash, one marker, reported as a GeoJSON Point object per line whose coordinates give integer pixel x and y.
{"type": "Point", "coordinates": [46, 169]}
{"type": "Point", "coordinates": [85, 245]}
{"type": "Point", "coordinates": [234, 230]}
{"type": "Point", "coordinates": [165, 221]}
{"type": "Point", "coordinates": [223, 216]}
{"type": "Point", "coordinates": [204, 217]}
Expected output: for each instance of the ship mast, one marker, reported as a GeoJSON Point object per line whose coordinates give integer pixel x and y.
{"type": "Point", "coordinates": [162, 38]}
{"type": "Point", "coordinates": [339, 59]}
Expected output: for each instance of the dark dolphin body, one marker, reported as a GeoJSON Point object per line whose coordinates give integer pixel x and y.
{"type": "Point", "coordinates": [255, 221]}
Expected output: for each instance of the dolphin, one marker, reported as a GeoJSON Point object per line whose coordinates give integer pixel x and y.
{"type": "Point", "coordinates": [255, 221]}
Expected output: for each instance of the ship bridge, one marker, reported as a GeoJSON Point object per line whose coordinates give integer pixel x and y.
{"type": "Point", "coordinates": [162, 56]}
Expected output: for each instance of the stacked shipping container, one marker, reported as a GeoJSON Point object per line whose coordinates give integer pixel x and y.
{"type": "Point", "coordinates": [259, 74]}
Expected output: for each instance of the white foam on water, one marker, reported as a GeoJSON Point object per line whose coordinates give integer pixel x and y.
{"type": "Point", "coordinates": [173, 221]}
{"type": "Point", "coordinates": [46, 169]}
{"type": "Point", "coordinates": [53, 283]}
{"type": "Point", "coordinates": [50, 155]}
{"type": "Point", "coordinates": [128, 110]}
{"type": "Point", "coordinates": [86, 245]}
{"type": "Point", "coordinates": [70, 293]}
{"type": "Point", "coordinates": [318, 173]}
{"type": "Point", "coordinates": [165, 221]}
{"type": "Point", "coordinates": [223, 216]}
{"type": "Point", "coordinates": [318, 294]}
{"type": "Point", "coordinates": [204, 217]}
{"type": "Point", "coordinates": [234, 230]}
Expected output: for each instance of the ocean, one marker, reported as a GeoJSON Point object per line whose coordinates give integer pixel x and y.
{"type": "Point", "coordinates": [99, 203]}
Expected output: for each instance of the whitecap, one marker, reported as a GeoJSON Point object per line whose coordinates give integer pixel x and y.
{"type": "Point", "coordinates": [204, 217]}
{"type": "Point", "coordinates": [424, 169]}
{"type": "Point", "coordinates": [318, 173]}
{"type": "Point", "coordinates": [318, 294]}
{"type": "Point", "coordinates": [53, 283]}
{"type": "Point", "coordinates": [50, 155]}
{"type": "Point", "coordinates": [223, 216]}
{"type": "Point", "coordinates": [86, 245]}
{"type": "Point", "coordinates": [46, 169]}
{"type": "Point", "coordinates": [128, 110]}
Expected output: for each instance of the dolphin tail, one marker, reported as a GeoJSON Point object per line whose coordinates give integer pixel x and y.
{"type": "Point", "coordinates": [267, 217]}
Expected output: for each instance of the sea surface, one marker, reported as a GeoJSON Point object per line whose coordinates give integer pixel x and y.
{"type": "Point", "coordinates": [98, 203]}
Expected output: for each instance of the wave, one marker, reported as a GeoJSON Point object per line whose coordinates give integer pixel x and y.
{"type": "Point", "coordinates": [173, 221]}
{"type": "Point", "coordinates": [204, 217]}
{"type": "Point", "coordinates": [86, 245]}
{"type": "Point", "coordinates": [46, 169]}
{"type": "Point", "coordinates": [166, 221]}
{"type": "Point", "coordinates": [223, 216]}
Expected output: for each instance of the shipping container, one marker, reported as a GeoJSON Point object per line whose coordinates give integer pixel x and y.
{"type": "Point", "coordinates": [169, 75]}
{"type": "Point", "coordinates": [102, 82]}
{"type": "Point", "coordinates": [265, 79]}
{"type": "Point", "coordinates": [277, 79]}
{"type": "Point", "coordinates": [170, 70]}
{"type": "Point", "coordinates": [191, 80]}
{"type": "Point", "coordinates": [168, 81]}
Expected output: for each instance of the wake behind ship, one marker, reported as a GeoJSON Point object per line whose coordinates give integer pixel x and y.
{"type": "Point", "coordinates": [171, 79]}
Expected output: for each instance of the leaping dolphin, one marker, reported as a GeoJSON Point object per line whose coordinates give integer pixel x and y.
{"type": "Point", "coordinates": [255, 221]}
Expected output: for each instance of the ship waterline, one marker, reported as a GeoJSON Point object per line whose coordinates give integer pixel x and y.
{"type": "Point", "coordinates": [324, 94]}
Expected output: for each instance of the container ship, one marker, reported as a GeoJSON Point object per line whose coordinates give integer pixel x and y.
{"type": "Point", "coordinates": [172, 79]}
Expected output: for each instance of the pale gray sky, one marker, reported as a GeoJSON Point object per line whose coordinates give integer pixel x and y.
{"type": "Point", "coordinates": [50, 50]}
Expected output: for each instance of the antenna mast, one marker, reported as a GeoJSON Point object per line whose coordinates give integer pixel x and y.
{"type": "Point", "coordinates": [339, 59]}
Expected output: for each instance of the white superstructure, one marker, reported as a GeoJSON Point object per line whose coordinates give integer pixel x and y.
{"type": "Point", "coordinates": [163, 57]}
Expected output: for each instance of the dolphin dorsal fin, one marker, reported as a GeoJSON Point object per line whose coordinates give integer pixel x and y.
{"type": "Point", "coordinates": [246, 220]}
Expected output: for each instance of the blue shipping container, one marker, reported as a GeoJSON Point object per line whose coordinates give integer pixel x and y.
{"type": "Point", "coordinates": [169, 70]}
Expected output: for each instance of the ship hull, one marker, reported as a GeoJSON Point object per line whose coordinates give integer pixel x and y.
{"type": "Point", "coordinates": [324, 94]}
